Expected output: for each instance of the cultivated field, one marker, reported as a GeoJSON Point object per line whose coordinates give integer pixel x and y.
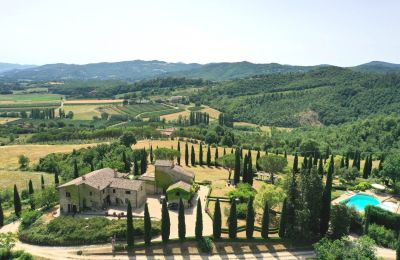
{"type": "Point", "coordinates": [9, 154]}
{"type": "Point", "coordinates": [83, 112]}
{"type": "Point", "coordinates": [21, 179]}
{"type": "Point", "coordinates": [29, 98]}
{"type": "Point", "coordinates": [4, 120]}
{"type": "Point", "coordinates": [93, 101]}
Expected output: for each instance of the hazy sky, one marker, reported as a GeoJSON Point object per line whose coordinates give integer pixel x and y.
{"type": "Point", "coordinates": [338, 32]}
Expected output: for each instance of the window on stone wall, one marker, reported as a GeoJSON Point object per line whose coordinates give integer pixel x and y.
{"type": "Point", "coordinates": [68, 195]}
{"type": "Point", "coordinates": [113, 190]}
{"type": "Point", "coordinates": [128, 192]}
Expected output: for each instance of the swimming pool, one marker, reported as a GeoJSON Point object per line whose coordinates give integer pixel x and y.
{"type": "Point", "coordinates": [360, 201]}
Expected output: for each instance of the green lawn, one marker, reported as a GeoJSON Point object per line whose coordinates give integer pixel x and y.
{"type": "Point", "coordinates": [30, 98]}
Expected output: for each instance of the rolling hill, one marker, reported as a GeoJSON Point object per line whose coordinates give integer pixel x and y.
{"type": "Point", "coordinates": [4, 67]}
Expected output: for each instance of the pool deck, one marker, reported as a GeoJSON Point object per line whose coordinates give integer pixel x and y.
{"type": "Point", "coordinates": [382, 197]}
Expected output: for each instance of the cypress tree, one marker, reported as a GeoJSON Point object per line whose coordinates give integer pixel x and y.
{"type": "Point", "coordinates": [326, 200]}
{"type": "Point", "coordinates": [17, 202]}
{"type": "Point", "coordinates": [181, 221]}
{"type": "Point", "coordinates": [233, 218]}
{"type": "Point", "coordinates": [147, 225]}
{"type": "Point", "coordinates": [217, 221]}
{"type": "Point", "coordinates": [342, 163]}
{"type": "Point", "coordinates": [201, 155]}
{"type": "Point", "coordinates": [224, 151]}
{"type": "Point", "coordinates": [127, 164]}
{"type": "Point", "coordinates": [143, 162]}
{"type": "Point", "coordinates": [250, 172]}
{"type": "Point", "coordinates": [165, 223]}
{"type": "Point", "coordinates": [193, 157]}
{"type": "Point", "coordinates": [320, 167]}
{"type": "Point", "coordinates": [250, 219]}
{"type": "Point", "coordinates": [241, 153]}
{"type": "Point", "coordinates": [56, 180]}
{"type": "Point", "coordinates": [231, 150]}
{"type": "Point", "coordinates": [257, 158]}
{"type": "Point", "coordinates": [199, 221]}
{"type": "Point", "coordinates": [208, 156]}
{"type": "Point", "coordinates": [282, 223]}
{"type": "Point", "coordinates": [76, 171]}
{"type": "Point", "coordinates": [30, 187]}
{"type": "Point", "coordinates": [151, 154]}
{"type": "Point", "coordinates": [186, 154]}
{"type": "Point", "coordinates": [236, 176]}
{"type": "Point", "coordinates": [216, 157]}
{"type": "Point", "coordinates": [179, 153]}
{"type": "Point", "coordinates": [265, 221]}
{"type": "Point", "coordinates": [129, 226]}
{"type": "Point", "coordinates": [365, 170]}
{"type": "Point", "coordinates": [398, 249]}
{"type": "Point", "coordinates": [245, 167]}
{"type": "Point", "coordinates": [42, 182]}
{"type": "Point", "coordinates": [135, 167]}
{"type": "Point", "coordinates": [1, 215]}
{"type": "Point", "coordinates": [380, 166]}
{"type": "Point", "coordinates": [296, 163]}
{"type": "Point", "coordinates": [285, 155]}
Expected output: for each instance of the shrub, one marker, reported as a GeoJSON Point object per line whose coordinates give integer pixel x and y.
{"type": "Point", "coordinates": [340, 221]}
{"type": "Point", "coordinates": [21, 255]}
{"type": "Point", "coordinates": [29, 217]}
{"type": "Point", "coordinates": [382, 217]}
{"type": "Point", "coordinates": [362, 186]}
{"type": "Point", "coordinates": [80, 231]}
{"type": "Point", "coordinates": [205, 244]}
{"type": "Point", "coordinates": [5, 254]}
{"type": "Point", "coordinates": [241, 210]}
{"type": "Point", "coordinates": [382, 236]}
{"type": "Point", "coordinates": [243, 192]}
{"type": "Point", "coordinates": [355, 220]}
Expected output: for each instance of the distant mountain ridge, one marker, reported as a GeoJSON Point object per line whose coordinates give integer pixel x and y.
{"type": "Point", "coordinates": [140, 70]}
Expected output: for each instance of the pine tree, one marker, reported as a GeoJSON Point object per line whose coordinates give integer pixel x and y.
{"type": "Point", "coordinates": [282, 223]}
{"type": "Point", "coordinates": [179, 153]}
{"type": "Point", "coordinates": [1, 215]}
{"type": "Point", "coordinates": [236, 176]}
{"type": "Point", "coordinates": [181, 221]}
{"type": "Point", "coordinates": [129, 226]}
{"type": "Point", "coordinates": [265, 221]}
{"type": "Point", "coordinates": [208, 156]}
{"type": "Point", "coordinates": [151, 154]}
{"type": "Point", "coordinates": [199, 221]}
{"type": "Point", "coordinates": [30, 187]}
{"type": "Point", "coordinates": [217, 221]}
{"type": "Point", "coordinates": [250, 219]}
{"type": "Point", "coordinates": [233, 218]}
{"type": "Point", "coordinates": [216, 157]}
{"type": "Point", "coordinates": [250, 172]}
{"type": "Point", "coordinates": [201, 155]}
{"type": "Point", "coordinates": [326, 200]}
{"type": "Point", "coordinates": [56, 180]}
{"type": "Point", "coordinates": [165, 223]}
{"type": "Point", "coordinates": [296, 163]}
{"type": "Point", "coordinates": [17, 202]}
{"type": "Point", "coordinates": [186, 154]}
{"type": "Point", "coordinates": [193, 157]}
{"type": "Point", "coordinates": [147, 225]}
{"type": "Point", "coordinates": [76, 171]}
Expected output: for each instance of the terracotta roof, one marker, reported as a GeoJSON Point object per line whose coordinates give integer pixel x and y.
{"type": "Point", "coordinates": [164, 163]}
{"type": "Point", "coordinates": [182, 185]}
{"type": "Point", "coordinates": [178, 169]}
{"type": "Point", "coordinates": [103, 178]}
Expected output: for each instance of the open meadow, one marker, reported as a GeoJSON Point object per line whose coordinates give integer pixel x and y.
{"type": "Point", "coordinates": [29, 98]}
{"type": "Point", "coordinates": [21, 179]}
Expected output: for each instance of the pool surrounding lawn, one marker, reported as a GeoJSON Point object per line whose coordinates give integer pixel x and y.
{"type": "Point", "coordinates": [360, 201]}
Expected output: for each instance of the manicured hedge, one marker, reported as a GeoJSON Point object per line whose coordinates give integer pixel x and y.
{"type": "Point", "coordinates": [382, 217]}
{"type": "Point", "coordinates": [64, 231]}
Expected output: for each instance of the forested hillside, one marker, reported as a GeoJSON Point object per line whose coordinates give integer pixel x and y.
{"type": "Point", "coordinates": [329, 95]}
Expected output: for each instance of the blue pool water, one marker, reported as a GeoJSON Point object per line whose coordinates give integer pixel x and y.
{"type": "Point", "coordinates": [360, 201]}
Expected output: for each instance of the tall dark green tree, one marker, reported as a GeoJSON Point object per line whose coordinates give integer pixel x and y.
{"type": "Point", "coordinates": [217, 221]}
{"type": "Point", "coordinates": [296, 163]}
{"type": "Point", "coordinates": [199, 221]}
{"type": "Point", "coordinates": [326, 199]}
{"type": "Point", "coordinates": [76, 171]}
{"type": "Point", "coordinates": [250, 217]}
{"type": "Point", "coordinates": [250, 171]}
{"type": "Point", "coordinates": [17, 202]}
{"type": "Point", "coordinates": [165, 223]}
{"type": "Point", "coordinates": [42, 182]}
{"type": "Point", "coordinates": [186, 154]}
{"type": "Point", "coordinates": [56, 180]}
{"type": "Point", "coordinates": [179, 153]}
{"type": "Point", "coordinates": [129, 226]}
{"type": "Point", "coordinates": [151, 154]}
{"type": "Point", "coordinates": [1, 215]}
{"type": "Point", "coordinates": [208, 156]}
{"type": "Point", "coordinates": [245, 168]}
{"type": "Point", "coordinates": [265, 221]}
{"type": "Point", "coordinates": [125, 161]}
{"type": "Point", "coordinates": [30, 187]}
{"type": "Point", "coordinates": [236, 173]}
{"type": "Point", "coordinates": [147, 225]}
{"type": "Point", "coordinates": [224, 152]}
{"type": "Point", "coordinates": [283, 220]}
{"type": "Point", "coordinates": [320, 167]}
{"type": "Point", "coordinates": [135, 167]}
{"type": "Point", "coordinates": [216, 156]}
{"type": "Point", "coordinates": [193, 157]}
{"type": "Point", "coordinates": [257, 158]}
{"type": "Point", "coordinates": [143, 162]}
{"type": "Point", "coordinates": [181, 221]}
{"type": "Point", "coordinates": [291, 205]}
{"type": "Point", "coordinates": [232, 225]}
{"type": "Point", "coordinates": [201, 155]}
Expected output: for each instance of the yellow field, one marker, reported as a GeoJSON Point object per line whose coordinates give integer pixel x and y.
{"type": "Point", "coordinates": [93, 101]}
{"type": "Point", "coordinates": [9, 154]}
{"type": "Point", "coordinates": [211, 111]}
{"type": "Point", "coordinates": [83, 112]}
{"type": "Point", "coordinates": [21, 179]}
{"type": "Point", "coordinates": [4, 120]}
{"type": "Point", "coordinates": [175, 116]}
{"type": "Point", "coordinates": [266, 129]}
